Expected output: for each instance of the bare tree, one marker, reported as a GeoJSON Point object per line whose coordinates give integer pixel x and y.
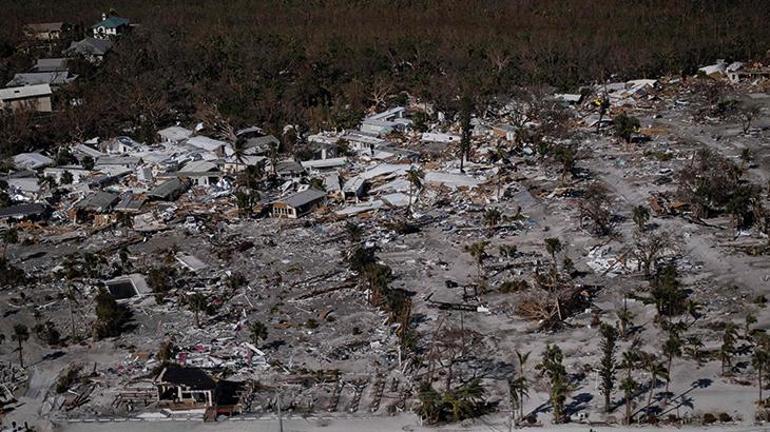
{"type": "Point", "coordinates": [648, 247]}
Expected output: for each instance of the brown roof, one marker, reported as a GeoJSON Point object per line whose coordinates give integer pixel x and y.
{"type": "Point", "coordinates": [44, 27]}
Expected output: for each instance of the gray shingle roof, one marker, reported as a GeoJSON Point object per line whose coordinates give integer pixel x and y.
{"type": "Point", "coordinates": [300, 199]}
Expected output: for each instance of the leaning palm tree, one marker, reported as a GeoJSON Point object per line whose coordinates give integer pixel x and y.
{"type": "Point", "coordinates": [656, 370]}
{"type": "Point", "coordinates": [672, 347]}
{"type": "Point", "coordinates": [20, 335]}
{"type": "Point", "coordinates": [415, 176]}
{"type": "Point", "coordinates": [239, 150]}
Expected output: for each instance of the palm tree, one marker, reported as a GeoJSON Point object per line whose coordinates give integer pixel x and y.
{"type": "Point", "coordinates": [465, 124]}
{"type": "Point", "coordinates": [10, 236]}
{"type": "Point", "coordinates": [603, 103]}
{"type": "Point", "coordinates": [641, 216]}
{"type": "Point", "coordinates": [628, 384]}
{"type": "Point", "coordinates": [656, 370]}
{"type": "Point", "coordinates": [273, 156]}
{"type": "Point", "coordinates": [553, 246]}
{"type": "Point", "coordinates": [694, 310]}
{"type": "Point", "coordinates": [430, 406]}
{"type": "Point", "coordinates": [47, 182]}
{"type": "Point", "coordinates": [492, 217]}
{"type": "Point", "coordinates": [414, 175]}
{"type": "Point", "coordinates": [759, 360]}
{"type": "Point", "coordinates": [751, 319]}
{"type": "Point", "coordinates": [71, 301]}
{"type": "Point", "coordinates": [354, 232]}
{"type": "Point", "coordinates": [727, 348]}
{"type": "Point", "coordinates": [694, 348]}
{"type": "Point", "coordinates": [519, 387]}
{"type": "Point", "coordinates": [258, 332]}
{"type": "Point", "coordinates": [672, 347]}
{"type": "Point", "coordinates": [239, 149]}
{"type": "Point", "coordinates": [553, 367]}
{"type": "Point", "coordinates": [197, 303]}
{"type": "Point", "coordinates": [20, 335]}
{"type": "Point", "coordinates": [625, 318]}
{"type": "Point", "coordinates": [607, 366]}
{"type": "Point", "coordinates": [478, 251]}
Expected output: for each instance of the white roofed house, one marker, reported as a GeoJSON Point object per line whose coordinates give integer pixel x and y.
{"type": "Point", "coordinates": [32, 97]}
{"type": "Point", "coordinates": [219, 148]}
{"type": "Point", "coordinates": [202, 173]}
{"type": "Point", "coordinates": [443, 138]}
{"type": "Point", "coordinates": [116, 165]}
{"type": "Point", "coordinates": [122, 145]}
{"type": "Point", "coordinates": [31, 161]}
{"type": "Point", "coordinates": [386, 122]}
{"type": "Point", "coordinates": [174, 134]}
{"type": "Point", "coordinates": [77, 173]}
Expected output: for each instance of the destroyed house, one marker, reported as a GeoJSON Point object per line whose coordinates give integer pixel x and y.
{"type": "Point", "coordinates": [169, 190]}
{"type": "Point", "coordinates": [188, 387]}
{"type": "Point", "coordinates": [227, 396]}
{"type": "Point", "coordinates": [125, 287]}
{"type": "Point", "coordinates": [299, 204]}
{"type": "Point", "coordinates": [260, 145]}
{"type": "Point", "coordinates": [100, 202]}
{"type": "Point", "coordinates": [46, 31]}
{"type": "Point", "coordinates": [130, 204]}
{"type": "Point", "coordinates": [23, 211]}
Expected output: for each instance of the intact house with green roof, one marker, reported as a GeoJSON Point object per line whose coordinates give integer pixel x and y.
{"type": "Point", "coordinates": [110, 26]}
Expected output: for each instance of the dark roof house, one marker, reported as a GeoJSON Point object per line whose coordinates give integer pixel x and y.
{"type": "Point", "coordinates": [299, 204]}
{"type": "Point", "coordinates": [99, 202]}
{"type": "Point", "coordinates": [169, 190]}
{"type": "Point", "coordinates": [23, 211]}
{"type": "Point", "coordinates": [90, 48]}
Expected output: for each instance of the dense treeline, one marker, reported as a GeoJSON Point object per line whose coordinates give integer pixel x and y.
{"type": "Point", "coordinates": [321, 63]}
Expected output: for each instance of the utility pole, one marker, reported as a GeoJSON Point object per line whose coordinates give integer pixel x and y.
{"type": "Point", "coordinates": [280, 417]}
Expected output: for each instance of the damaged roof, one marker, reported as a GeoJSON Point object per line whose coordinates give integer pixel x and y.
{"type": "Point", "coordinates": [305, 197]}
{"type": "Point", "coordinates": [192, 378]}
